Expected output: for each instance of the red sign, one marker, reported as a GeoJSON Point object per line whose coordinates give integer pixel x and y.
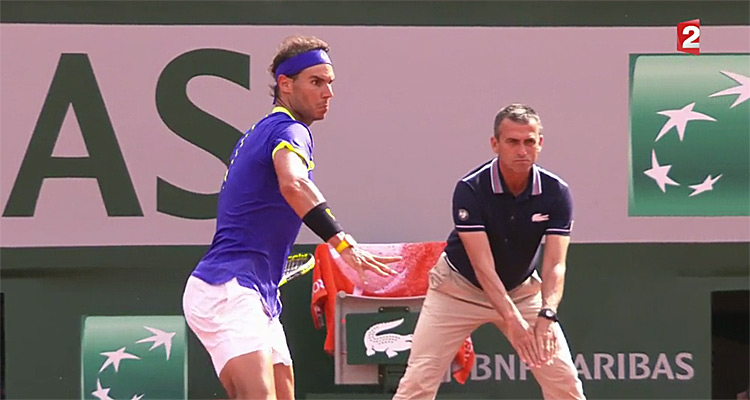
{"type": "Point", "coordinates": [689, 37]}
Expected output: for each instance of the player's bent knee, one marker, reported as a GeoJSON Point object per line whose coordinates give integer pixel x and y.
{"type": "Point", "coordinates": [254, 392]}
{"type": "Point", "coordinates": [249, 388]}
{"type": "Point", "coordinates": [249, 376]}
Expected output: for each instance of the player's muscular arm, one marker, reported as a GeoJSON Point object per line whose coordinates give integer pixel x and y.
{"type": "Point", "coordinates": [302, 195]}
{"type": "Point", "coordinates": [298, 190]}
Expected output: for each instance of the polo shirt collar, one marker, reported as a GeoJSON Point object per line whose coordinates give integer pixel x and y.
{"type": "Point", "coordinates": [497, 183]}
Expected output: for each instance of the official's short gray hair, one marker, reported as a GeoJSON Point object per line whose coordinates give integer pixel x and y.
{"type": "Point", "coordinates": [521, 113]}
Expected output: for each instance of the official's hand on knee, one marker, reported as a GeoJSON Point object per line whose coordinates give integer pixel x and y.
{"type": "Point", "coordinates": [361, 261]}
{"type": "Point", "coordinates": [522, 338]}
{"type": "Point", "coordinates": [546, 339]}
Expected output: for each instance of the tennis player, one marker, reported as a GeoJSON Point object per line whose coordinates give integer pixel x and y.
{"type": "Point", "coordinates": [231, 298]}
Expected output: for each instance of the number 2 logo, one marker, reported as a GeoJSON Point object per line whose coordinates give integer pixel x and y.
{"type": "Point", "coordinates": [688, 37]}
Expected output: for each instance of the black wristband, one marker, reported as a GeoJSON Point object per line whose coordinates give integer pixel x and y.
{"type": "Point", "coordinates": [321, 221]}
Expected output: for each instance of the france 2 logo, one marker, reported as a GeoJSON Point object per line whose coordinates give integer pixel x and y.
{"type": "Point", "coordinates": [689, 36]}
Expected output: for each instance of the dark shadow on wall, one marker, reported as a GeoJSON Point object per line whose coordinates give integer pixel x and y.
{"type": "Point", "coordinates": [730, 352]}
{"type": "Point", "coordinates": [2, 346]}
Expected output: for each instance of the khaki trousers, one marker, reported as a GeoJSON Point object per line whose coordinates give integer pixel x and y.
{"type": "Point", "coordinates": [453, 308]}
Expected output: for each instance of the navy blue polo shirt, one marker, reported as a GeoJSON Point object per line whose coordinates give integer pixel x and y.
{"type": "Point", "coordinates": [514, 225]}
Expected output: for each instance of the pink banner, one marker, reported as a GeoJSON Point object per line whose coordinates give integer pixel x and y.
{"type": "Point", "coordinates": [413, 112]}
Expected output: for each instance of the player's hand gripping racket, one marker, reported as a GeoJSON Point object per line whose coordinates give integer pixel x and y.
{"type": "Point", "coordinates": [296, 266]}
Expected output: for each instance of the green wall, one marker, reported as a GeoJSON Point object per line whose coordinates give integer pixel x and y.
{"type": "Point", "coordinates": [649, 298]}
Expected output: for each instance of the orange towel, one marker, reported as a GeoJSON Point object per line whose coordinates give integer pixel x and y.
{"type": "Point", "coordinates": [332, 275]}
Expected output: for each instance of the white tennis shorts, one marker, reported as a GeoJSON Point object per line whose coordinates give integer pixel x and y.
{"type": "Point", "coordinates": [230, 321]}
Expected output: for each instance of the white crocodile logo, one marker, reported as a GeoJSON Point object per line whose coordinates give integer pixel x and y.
{"type": "Point", "coordinates": [390, 343]}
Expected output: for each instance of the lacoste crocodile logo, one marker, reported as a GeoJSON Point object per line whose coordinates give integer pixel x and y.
{"type": "Point", "coordinates": [389, 343]}
{"type": "Point", "coordinates": [538, 217]}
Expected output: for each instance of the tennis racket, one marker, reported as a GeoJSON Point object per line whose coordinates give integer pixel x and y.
{"type": "Point", "coordinates": [296, 266]}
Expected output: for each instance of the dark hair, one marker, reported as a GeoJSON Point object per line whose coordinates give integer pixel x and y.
{"type": "Point", "coordinates": [290, 47]}
{"type": "Point", "coordinates": [517, 113]}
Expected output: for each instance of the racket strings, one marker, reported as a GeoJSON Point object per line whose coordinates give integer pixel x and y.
{"type": "Point", "coordinates": [295, 262]}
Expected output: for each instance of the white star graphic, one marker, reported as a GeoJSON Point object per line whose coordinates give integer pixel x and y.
{"type": "Point", "coordinates": [137, 397]}
{"type": "Point", "coordinates": [679, 119]}
{"type": "Point", "coordinates": [114, 358]}
{"type": "Point", "coordinates": [705, 186]}
{"type": "Point", "coordinates": [100, 392]}
{"type": "Point", "coordinates": [160, 338]}
{"type": "Point", "coordinates": [743, 90]}
{"type": "Point", "coordinates": [659, 173]}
